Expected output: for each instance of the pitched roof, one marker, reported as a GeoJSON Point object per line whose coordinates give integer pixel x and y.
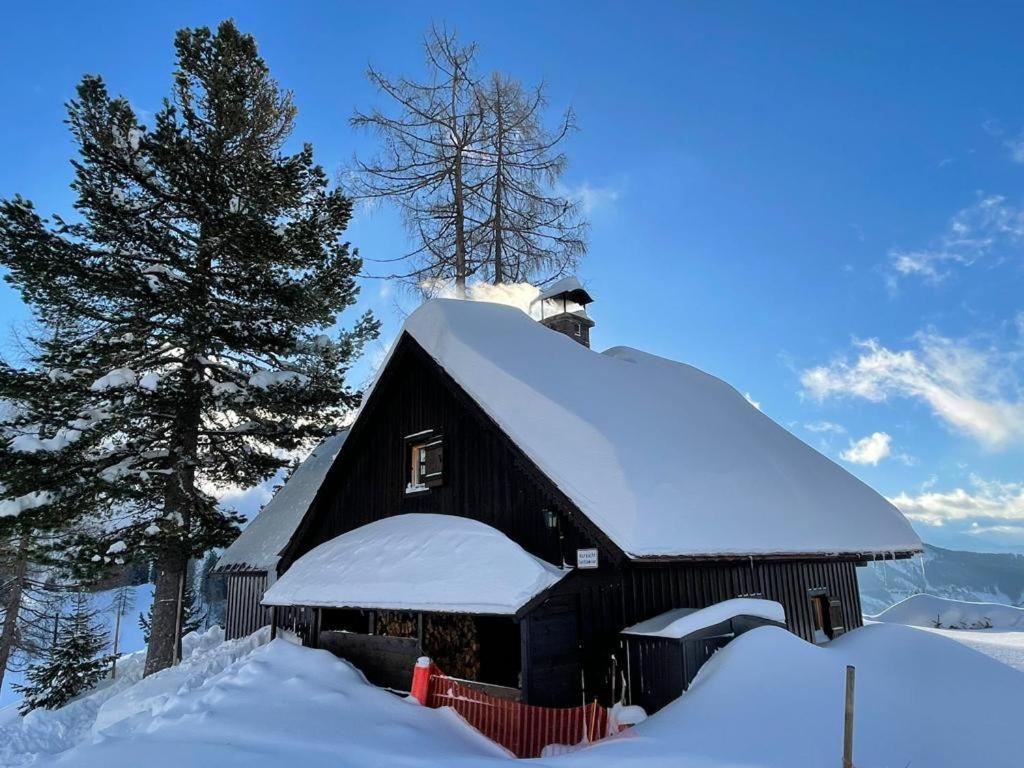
{"type": "Point", "coordinates": [417, 562]}
{"type": "Point", "coordinates": [667, 460]}
{"type": "Point", "coordinates": [258, 546]}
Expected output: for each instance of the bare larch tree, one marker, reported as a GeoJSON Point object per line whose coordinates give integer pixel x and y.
{"type": "Point", "coordinates": [473, 171]}
{"type": "Point", "coordinates": [529, 231]}
{"type": "Point", "coordinates": [427, 164]}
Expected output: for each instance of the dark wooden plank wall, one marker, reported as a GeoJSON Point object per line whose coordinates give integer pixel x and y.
{"type": "Point", "coordinates": [483, 477]}
{"type": "Point", "coordinates": [653, 589]}
{"type": "Point", "coordinates": [614, 598]}
{"type": "Point", "coordinates": [385, 661]}
{"type": "Point", "coordinates": [550, 653]}
{"type": "Point", "coordinates": [244, 614]}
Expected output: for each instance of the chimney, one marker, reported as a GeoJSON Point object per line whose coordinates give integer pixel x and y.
{"type": "Point", "coordinates": [563, 308]}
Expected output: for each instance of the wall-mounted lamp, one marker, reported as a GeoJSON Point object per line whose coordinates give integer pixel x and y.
{"type": "Point", "coordinates": [550, 519]}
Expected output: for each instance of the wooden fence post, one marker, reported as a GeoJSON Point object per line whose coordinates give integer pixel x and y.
{"type": "Point", "coordinates": [848, 718]}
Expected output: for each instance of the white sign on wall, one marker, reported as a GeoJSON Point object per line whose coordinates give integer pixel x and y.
{"type": "Point", "coordinates": [586, 558]}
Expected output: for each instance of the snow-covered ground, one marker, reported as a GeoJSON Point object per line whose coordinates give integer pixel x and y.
{"type": "Point", "coordinates": [767, 699]}
{"type": "Point", "coordinates": [42, 733]}
{"type": "Point", "coordinates": [940, 612]}
{"type": "Point", "coordinates": [1003, 645]}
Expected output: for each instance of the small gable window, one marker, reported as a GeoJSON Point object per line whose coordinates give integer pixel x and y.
{"type": "Point", "coordinates": [425, 452]}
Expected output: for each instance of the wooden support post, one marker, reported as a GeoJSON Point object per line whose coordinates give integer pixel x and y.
{"type": "Point", "coordinates": [273, 622]}
{"type": "Point", "coordinates": [179, 615]}
{"type": "Point", "coordinates": [419, 632]}
{"type": "Point", "coordinates": [848, 718]}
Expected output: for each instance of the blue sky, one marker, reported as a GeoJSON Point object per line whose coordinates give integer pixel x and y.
{"type": "Point", "coordinates": [822, 205]}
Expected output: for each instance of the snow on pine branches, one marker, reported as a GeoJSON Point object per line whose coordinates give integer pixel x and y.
{"type": "Point", "coordinates": [190, 309]}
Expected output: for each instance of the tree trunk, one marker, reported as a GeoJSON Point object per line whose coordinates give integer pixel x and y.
{"type": "Point", "coordinates": [12, 606]}
{"type": "Point", "coordinates": [172, 560]}
{"type": "Point", "coordinates": [163, 641]}
{"type": "Point", "coordinates": [499, 170]}
{"type": "Point", "coordinates": [460, 230]}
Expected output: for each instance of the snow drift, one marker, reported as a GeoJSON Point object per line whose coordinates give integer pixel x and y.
{"type": "Point", "coordinates": [941, 612]}
{"type": "Point", "coordinates": [767, 699]}
{"type": "Point", "coordinates": [24, 740]}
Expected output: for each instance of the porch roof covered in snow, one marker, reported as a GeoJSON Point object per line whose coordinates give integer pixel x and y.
{"type": "Point", "coordinates": [666, 460]}
{"type": "Point", "coordinates": [417, 562]}
{"type": "Point", "coordinates": [680, 622]}
{"type": "Point", "coordinates": [258, 546]}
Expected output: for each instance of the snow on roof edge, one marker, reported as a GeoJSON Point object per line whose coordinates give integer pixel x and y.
{"type": "Point", "coordinates": [259, 545]}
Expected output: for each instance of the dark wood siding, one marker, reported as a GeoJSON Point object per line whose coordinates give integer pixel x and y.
{"type": "Point", "coordinates": [484, 477]}
{"type": "Point", "coordinates": [244, 614]}
{"type": "Point", "coordinates": [550, 653]}
{"type": "Point", "coordinates": [653, 589]}
{"type": "Point", "coordinates": [613, 598]}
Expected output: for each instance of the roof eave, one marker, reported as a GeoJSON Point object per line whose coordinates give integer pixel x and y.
{"type": "Point", "coordinates": [898, 554]}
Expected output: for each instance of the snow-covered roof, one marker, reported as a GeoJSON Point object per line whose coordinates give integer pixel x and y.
{"type": "Point", "coordinates": [261, 542]}
{"type": "Point", "coordinates": [569, 285]}
{"type": "Point", "coordinates": [680, 622]}
{"type": "Point", "coordinates": [665, 459]}
{"type": "Point", "coordinates": [417, 562]}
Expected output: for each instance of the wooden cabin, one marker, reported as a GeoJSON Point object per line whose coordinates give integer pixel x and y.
{"type": "Point", "coordinates": [250, 564]}
{"type": "Point", "coordinates": [650, 485]}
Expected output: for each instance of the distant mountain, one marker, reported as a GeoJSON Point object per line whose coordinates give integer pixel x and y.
{"type": "Point", "coordinates": [974, 576]}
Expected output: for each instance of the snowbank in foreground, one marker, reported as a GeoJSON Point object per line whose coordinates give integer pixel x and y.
{"type": "Point", "coordinates": [285, 705]}
{"type": "Point", "coordinates": [771, 699]}
{"type": "Point", "coordinates": [941, 612]}
{"type": "Point", "coordinates": [48, 732]}
{"type": "Point", "coordinates": [767, 699]}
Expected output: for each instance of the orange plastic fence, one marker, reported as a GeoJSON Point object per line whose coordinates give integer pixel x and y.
{"type": "Point", "coordinates": [522, 729]}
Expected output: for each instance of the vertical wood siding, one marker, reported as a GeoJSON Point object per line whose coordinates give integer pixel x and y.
{"type": "Point", "coordinates": [244, 614]}
{"type": "Point", "coordinates": [483, 478]}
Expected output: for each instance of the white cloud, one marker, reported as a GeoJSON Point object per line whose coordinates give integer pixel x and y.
{"type": "Point", "coordinates": [977, 231]}
{"type": "Point", "coordinates": [972, 390]}
{"type": "Point", "coordinates": [868, 450]}
{"type": "Point", "coordinates": [589, 196]}
{"type": "Point", "coordinates": [752, 401]}
{"type": "Point", "coordinates": [825, 426]}
{"type": "Point", "coordinates": [987, 505]}
{"type": "Point", "coordinates": [1016, 147]}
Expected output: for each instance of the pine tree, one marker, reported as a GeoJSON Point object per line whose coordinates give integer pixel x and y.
{"type": "Point", "coordinates": [73, 663]}
{"type": "Point", "coordinates": [212, 591]}
{"type": "Point", "coordinates": [192, 297]}
{"type": "Point", "coordinates": [32, 521]}
{"type": "Point", "coordinates": [194, 614]}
